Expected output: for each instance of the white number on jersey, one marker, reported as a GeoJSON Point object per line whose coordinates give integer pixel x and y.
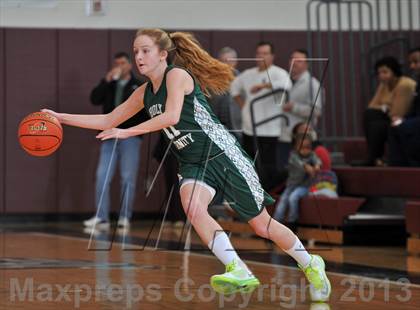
{"type": "Point", "coordinates": [171, 132]}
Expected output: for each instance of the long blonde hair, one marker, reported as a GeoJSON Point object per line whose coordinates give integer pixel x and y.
{"type": "Point", "coordinates": [185, 51]}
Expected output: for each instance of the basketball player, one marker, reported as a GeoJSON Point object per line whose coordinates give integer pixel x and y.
{"type": "Point", "coordinates": [210, 159]}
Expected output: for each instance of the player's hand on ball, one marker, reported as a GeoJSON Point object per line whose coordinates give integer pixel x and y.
{"type": "Point", "coordinates": [53, 113]}
{"type": "Point", "coordinates": [114, 133]}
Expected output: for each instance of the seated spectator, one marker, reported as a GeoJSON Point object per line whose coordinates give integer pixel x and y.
{"type": "Point", "coordinates": [325, 182]}
{"type": "Point", "coordinates": [303, 167]}
{"type": "Point", "coordinates": [320, 150]}
{"type": "Point", "coordinates": [392, 99]}
{"type": "Point", "coordinates": [404, 139]}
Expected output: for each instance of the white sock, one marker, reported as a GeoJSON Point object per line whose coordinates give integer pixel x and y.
{"type": "Point", "coordinates": [224, 251]}
{"type": "Point", "coordinates": [298, 252]}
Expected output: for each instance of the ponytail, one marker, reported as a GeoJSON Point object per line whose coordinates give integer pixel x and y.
{"type": "Point", "coordinates": [212, 75]}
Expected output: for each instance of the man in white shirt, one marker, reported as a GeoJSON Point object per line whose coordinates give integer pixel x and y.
{"type": "Point", "coordinates": [251, 84]}
{"type": "Point", "coordinates": [302, 97]}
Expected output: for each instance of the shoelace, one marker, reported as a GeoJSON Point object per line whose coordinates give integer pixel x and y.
{"type": "Point", "coordinates": [231, 266]}
{"type": "Point", "coordinates": [312, 274]}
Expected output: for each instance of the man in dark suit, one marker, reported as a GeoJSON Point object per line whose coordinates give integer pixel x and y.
{"type": "Point", "coordinates": [117, 85]}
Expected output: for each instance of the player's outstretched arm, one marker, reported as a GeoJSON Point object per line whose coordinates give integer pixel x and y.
{"type": "Point", "coordinates": [178, 83]}
{"type": "Point", "coordinates": [104, 121]}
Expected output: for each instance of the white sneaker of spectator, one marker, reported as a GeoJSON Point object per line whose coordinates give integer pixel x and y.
{"type": "Point", "coordinates": [123, 222]}
{"type": "Point", "coordinates": [97, 223]}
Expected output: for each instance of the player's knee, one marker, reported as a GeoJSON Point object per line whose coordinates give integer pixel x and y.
{"type": "Point", "coordinates": [195, 211]}
{"type": "Point", "coordinates": [261, 230]}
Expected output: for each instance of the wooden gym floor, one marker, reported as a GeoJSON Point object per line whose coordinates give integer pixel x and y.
{"type": "Point", "coordinates": [58, 266]}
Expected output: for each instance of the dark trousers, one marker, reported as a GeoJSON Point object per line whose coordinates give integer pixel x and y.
{"type": "Point", "coordinates": [170, 169]}
{"type": "Point", "coordinates": [404, 144]}
{"type": "Point", "coordinates": [376, 125]}
{"type": "Point", "coordinates": [267, 153]}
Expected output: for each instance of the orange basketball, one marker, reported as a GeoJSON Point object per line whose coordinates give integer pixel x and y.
{"type": "Point", "coordinates": [40, 134]}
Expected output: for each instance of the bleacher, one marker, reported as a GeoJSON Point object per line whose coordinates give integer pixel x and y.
{"type": "Point", "coordinates": [324, 219]}
{"type": "Point", "coordinates": [388, 182]}
{"type": "Point", "coordinates": [412, 216]}
{"type": "Point", "coordinates": [356, 213]}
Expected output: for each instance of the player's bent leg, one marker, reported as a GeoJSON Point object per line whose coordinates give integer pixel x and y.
{"type": "Point", "coordinates": [267, 227]}
{"type": "Point", "coordinates": [313, 266]}
{"type": "Point", "coordinates": [237, 278]}
{"type": "Point", "coordinates": [195, 199]}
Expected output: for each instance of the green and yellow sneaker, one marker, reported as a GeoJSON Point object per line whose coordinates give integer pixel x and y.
{"type": "Point", "coordinates": [234, 280]}
{"type": "Point", "coordinates": [320, 286]}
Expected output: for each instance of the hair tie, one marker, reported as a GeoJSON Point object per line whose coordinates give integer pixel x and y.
{"type": "Point", "coordinates": [172, 41]}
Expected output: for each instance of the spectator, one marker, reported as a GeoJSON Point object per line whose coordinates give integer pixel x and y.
{"type": "Point", "coordinates": [305, 101]}
{"type": "Point", "coordinates": [404, 142]}
{"type": "Point", "coordinates": [112, 90]}
{"type": "Point", "coordinates": [229, 56]}
{"type": "Point", "coordinates": [392, 100]}
{"type": "Point", "coordinates": [320, 150]}
{"type": "Point", "coordinates": [303, 167]}
{"type": "Point", "coordinates": [228, 112]}
{"type": "Point", "coordinates": [325, 182]}
{"type": "Point", "coordinates": [249, 85]}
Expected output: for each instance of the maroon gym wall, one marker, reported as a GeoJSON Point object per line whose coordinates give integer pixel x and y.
{"type": "Point", "coordinates": [57, 69]}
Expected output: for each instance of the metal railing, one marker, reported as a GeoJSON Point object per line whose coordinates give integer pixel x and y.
{"type": "Point", "coordinates": [255, 124]}
{"type": "Point", "coordinates": [377, 50]}
{"type": "Point", "coordinates": [353, 34]}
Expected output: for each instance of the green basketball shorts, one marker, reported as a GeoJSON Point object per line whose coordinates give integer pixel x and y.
{"type": "Point", "coordinates": [234, 178]}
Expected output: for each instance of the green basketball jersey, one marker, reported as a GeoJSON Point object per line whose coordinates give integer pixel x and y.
{"type": "Point", "coordinates": [199, 135]}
